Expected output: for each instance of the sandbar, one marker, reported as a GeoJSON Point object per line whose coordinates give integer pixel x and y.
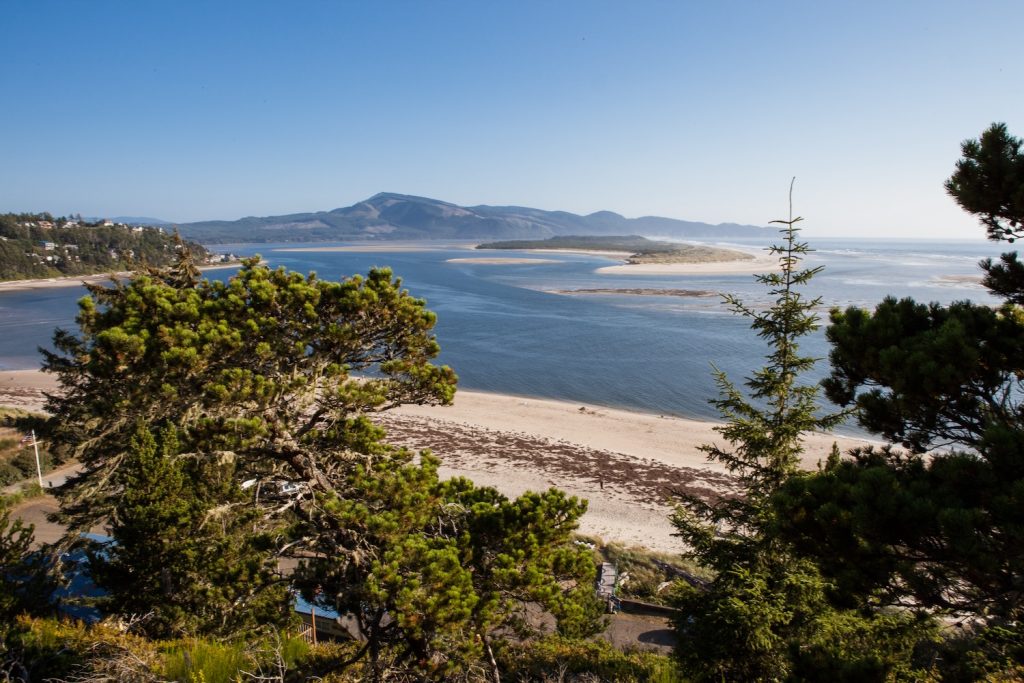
{"type": "Point", "coordinates": [761, 262]}
{"type": "Point", "coordinates": [500, 261]}
{"type": "Point", "coordinates": [959, 279]}
{"type": "Point", "coordinates": [625, 463]}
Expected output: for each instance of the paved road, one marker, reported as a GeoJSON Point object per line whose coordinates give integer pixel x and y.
{"type": "Point", "coordinates": [35, 511]}
{"type": "Point", "coordinates": [51, 479]}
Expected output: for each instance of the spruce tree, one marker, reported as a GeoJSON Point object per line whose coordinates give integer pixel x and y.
{"type": "Point", "coordinates": [766, 616]}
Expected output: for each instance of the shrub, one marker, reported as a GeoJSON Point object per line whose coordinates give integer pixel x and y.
{"type": "Point", "coordinates": [645, 571]}
{"type": "Point", "coordinates": [203, 660]}
{"type": "Point", "coordinates": [9, 474]}
{"type": "Point", "coordinates": [564, 659]}
{"type": "Point", "coordinates": [25, 462]}
{"type": "Point", "coordinates": [51, 649]}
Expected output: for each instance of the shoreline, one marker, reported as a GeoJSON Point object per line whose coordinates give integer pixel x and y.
{"type": "Point", "coordinates": [625, 463]}
{"type": "Point", "coordinates": [76, 280]}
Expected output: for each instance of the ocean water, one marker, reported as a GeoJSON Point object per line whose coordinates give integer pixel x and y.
{"type": "Point", "coordinates": [503, 330]}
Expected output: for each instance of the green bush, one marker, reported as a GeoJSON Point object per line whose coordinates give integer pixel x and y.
{"type": "Point", "coordinates": [556, 658]}
{"type": "Point", "coordinates": [25, 461]}
{"type": "Point", "coordinates": [646, 570]}
{"type": "Point", "coordinates": [206, 661]}
{"type": "Point", "coordinates": [48, 649]}
{"type": "Point", "coordinates": [9, 415]}
{"type": "Point", "coordinates": [210, 661]}
{"type": "Point", "coordinates": [9, 474]}
{"type": "Point", "coordinates": [28, 490]}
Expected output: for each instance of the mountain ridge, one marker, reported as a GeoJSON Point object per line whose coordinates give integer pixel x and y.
{"type": "Point", "coordinates": [394, 216]}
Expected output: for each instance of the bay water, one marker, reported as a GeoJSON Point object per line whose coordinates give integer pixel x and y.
{"type": "Point", "coordinates": [503, 328]}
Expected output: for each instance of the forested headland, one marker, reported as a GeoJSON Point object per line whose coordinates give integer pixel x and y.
{"type": "Point", "coordinates": [38, 245]}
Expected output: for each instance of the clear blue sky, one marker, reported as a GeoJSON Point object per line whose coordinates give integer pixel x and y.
{"type": "Point", "coordinates": [697, 110]}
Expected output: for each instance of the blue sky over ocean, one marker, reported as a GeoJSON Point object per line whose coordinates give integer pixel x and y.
{"type": "Point", "coordinates": [701, 111]}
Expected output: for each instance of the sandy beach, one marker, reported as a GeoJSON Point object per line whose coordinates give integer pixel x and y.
{"type": "Point", "coordinates": [78, 280]}
{"type": "Point", "coordinates": [626, 464]}
{"type": "Point", "coordinates": [25, 388]}
{"type": "Point", "coordinates": [52, 282]}
{"type": "Point", "coordinates": [761, 262]}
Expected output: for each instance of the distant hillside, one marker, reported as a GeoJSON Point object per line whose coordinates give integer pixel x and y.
{"type": "Point", "coordinates": [388, 216]}
{"type": "Point", "coordinates": [41, 246]}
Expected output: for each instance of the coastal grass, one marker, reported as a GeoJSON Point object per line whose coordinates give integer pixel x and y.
{"type": "Point", "coordinates": [647, 575]}
{"type": "Point", "coordinates": [570, 660]}
{"type": "Point", "coordinates": [9, 414]}
{"type": "Point", "coordinates": [28, 491]}
{"type": "Point", "coordinates": [70, 650]}
{"type": "Point", "coordinates": [53, 649]}
{"type": "Point", "coordinates": [206, 661]}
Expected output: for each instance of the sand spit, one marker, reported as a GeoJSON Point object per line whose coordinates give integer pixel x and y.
{"type": "Point", "coordinates": [761, 262]}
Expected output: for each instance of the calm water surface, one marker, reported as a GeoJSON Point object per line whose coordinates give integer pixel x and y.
{"type": "Point", "coordinates": [503, 330]}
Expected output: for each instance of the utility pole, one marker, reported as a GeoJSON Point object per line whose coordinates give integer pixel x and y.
{"type": "Point", "coordinates": [39, 468]}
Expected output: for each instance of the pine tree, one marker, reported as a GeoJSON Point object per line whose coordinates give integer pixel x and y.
{"type": "Point", "coordinates": [184, 558]}
{"type": "Point", "coordinates": [436, 571]}
{"type": "Point", "coordinates": [252, 379]}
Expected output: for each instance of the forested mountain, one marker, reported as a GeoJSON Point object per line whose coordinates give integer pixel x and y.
{"type": "Point", "coordinates": [391, 216]}
{"type": "Point", "coordinates": [41, 246]}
